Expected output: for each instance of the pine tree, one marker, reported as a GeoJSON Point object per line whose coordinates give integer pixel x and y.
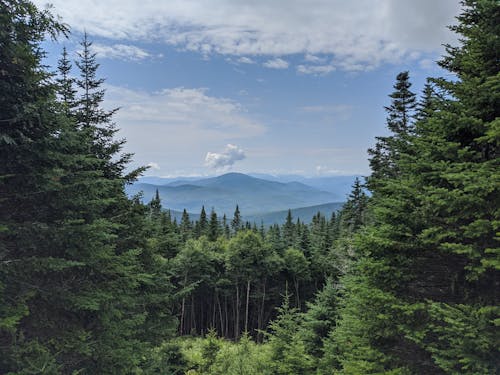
{"type": "Point", "coordinates": [354, 210]}
{"type": "Point", "coordinates": [70, 269]}
{"type": "Point", "coordinates": [185, 227]}
{"type": "Point", "coordinates": [289, 230]}
{"type": "Point", "coordinates": [155, 206]}
{"type": "Point", "coordinates": [97, 122]}
{"type": "Point", "coordinates": [400, 115]}
{"type": "Point", "coordinates": [66, 84]}
{"type": "Point", "coordinates": [214, 229]}
{"type": "Point", "coordinates": [236, 223]}
{"type": "Point", "coordinates": [428, 268]}
{"type": "Point", "coordinates": [201, 227]}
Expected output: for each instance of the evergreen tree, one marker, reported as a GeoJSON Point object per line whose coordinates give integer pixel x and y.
{"type": "Point", "coordinates": [400, 114]}
{"type": "Point", "coordinates": [428, 268]}
{"type": "Point", "coordinates": [288, 352]}
{"type": "Point", "coordinates": [236, 223]}
{"type": "Point", "coordinates": [214, 230]}
{"type": "Point", "coordinates": [155, 206]}
{"type": "Point", "coordinates": [66, 84]}
{"type": "Point", "coordinates": [289, 230]}
{"type": "Point", "coordinates": [202, 227]}
{"type": "Point", "coordinates": [354, 210]}
{"type": "Point", "coordinates": [73, 251]}
{"type": "Point", "coordinates": [185, 227]}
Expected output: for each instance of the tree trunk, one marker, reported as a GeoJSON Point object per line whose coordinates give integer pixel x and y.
{"type": "Point", "coordinates": [262, 307]}
{"type": "Point", "coordinates": [220, 317]}
{"type": "Point", "coordinates": [193, 320]}
{"type": "Point", "coordinates": [226, 323]}
{"type": "Point", "coordinates": [246, 309]}
{"type": "Point", "coordinates": [237, 320]}
{"type": "Point", "coordinates": [181, 326]}
{"type": "Point", "coordinates": [183, 308]}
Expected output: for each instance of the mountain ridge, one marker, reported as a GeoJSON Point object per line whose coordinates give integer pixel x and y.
{"type": "Point", "coordinates": [254, 196]}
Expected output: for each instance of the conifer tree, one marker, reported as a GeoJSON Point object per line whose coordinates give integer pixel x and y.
{"type": "Point", "coordinates": [66, 84]}
{"type": "Point", "coordinates": [400, 114]}
{"type": "Point", "coordinates": [236, 223]}
{"type": "Point", "coordinates": [203, 223]}
{"type": "Point", "coordinates": [428, 267]}
{"type": "Point", "coordinates": [214, 230]}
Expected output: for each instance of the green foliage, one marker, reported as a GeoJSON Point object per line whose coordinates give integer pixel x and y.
{"type": "Point", "coordinates": [287, 348]}
{"type": "Point", "coordinates": [419, 296]}
{"type": "Point", "coordinates": [213, 356]}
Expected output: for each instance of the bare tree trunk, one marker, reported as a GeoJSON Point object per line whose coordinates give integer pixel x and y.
{"type": "Point", "coordinates": [214, 311]}
{"type": "Point", "coordinates": [226, 323]}
{"type": "Point", "coordinates": [181, 327]}
{"type": "Point", "coordinates": [237, 322]}
{"type": "Point", "coordinates": [246, 309]}
{"type": "Point", "coordinates": [193, 320]}
{"type": "Point", "coordinates": [262, 307]}
{"type": "Point", "coordinates": [220, 317]}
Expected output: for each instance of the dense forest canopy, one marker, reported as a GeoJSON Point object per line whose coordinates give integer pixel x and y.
{"type": "Point", "coordinates": [404, 279]}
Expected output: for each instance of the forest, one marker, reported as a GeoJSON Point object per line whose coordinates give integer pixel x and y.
{"type": "Point", "coordinates": [404, 279]}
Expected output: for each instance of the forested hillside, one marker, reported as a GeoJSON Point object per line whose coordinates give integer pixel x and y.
{"type": "Point", "coordinates": [404, 279]}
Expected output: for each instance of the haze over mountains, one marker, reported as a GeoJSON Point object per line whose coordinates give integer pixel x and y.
{"type": "Point", "coordinates": [260, 199]}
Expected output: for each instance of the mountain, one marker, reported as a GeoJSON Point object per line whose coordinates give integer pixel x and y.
{"type": "Point", "coordinates": [339, 185]}
{"type": "Point", "coordinates": [255, 196]}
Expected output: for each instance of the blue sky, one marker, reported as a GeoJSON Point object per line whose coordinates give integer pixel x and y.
{"type": "Point", "coordinates": [274, 86]}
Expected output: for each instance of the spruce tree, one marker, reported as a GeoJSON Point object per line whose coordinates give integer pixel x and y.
{"type": "Point", "coordinates": [214, 229]}
{"type": "Point", "coordinates": [236, 223]}
{"type": "Point", "coordinates": [72, 254]}
{"type": "Point", "coordinates": [428, 267]}
{"type": "Point", "coordinates": [400, 116]}
{"type": "Point", "coordinates": [66, 84]}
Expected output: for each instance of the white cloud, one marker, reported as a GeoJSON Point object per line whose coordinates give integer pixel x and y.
{"type": "Point", "coordinates": [322, 170]}
{"type": "Point", "coordinates": [276, 64]}
{"type": "Point", "coordinates": [183, 109]}
{"type": "Point", "coordinates": [120, 52]}
{"type": "Point", "coordinates": [314, 59]}
{"type": "Point", "coordinates": [315, 69]}
{"type": "Point", "coordinates": [356, 33]}
{"type": "Point", "coordinates": [245, 60]}
{"type": "Point", "coordinates": [225, 159]}
{"type": "Point", "coordinates": [154, 166]}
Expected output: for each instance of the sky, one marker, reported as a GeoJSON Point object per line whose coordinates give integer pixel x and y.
{"type": "Point", "coordinates": [264, 86]}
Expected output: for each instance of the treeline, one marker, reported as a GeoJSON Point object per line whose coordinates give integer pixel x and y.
{"type": "Point", "coordinates": [233, 275]}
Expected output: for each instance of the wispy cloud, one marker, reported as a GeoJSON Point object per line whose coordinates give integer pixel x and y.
{"type": "Point", "coordinates": [245, 60]}
{"type": "Point", "coordinates": [315, 69]}
{"type": "Point", "coordinates": [276, 64]}
{"type": "Point", "coordinates": [120, 52]}
{"type": "Point", "coordinates": [358, 34]}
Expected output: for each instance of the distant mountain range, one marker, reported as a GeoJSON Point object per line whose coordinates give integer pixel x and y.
{"type": "Point", "coordinates": [260, 199]}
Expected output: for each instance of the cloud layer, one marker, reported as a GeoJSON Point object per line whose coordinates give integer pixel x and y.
{"type": "Point", "coordinates": [225, 159]}
{"type": "Point", "coordinates": [355, 35]}
{"type": "Point", "coordinates": [120, 51]}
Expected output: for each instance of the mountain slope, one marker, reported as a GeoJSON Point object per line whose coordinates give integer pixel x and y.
{"type": "Point", "coordinates": [223, 193]}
